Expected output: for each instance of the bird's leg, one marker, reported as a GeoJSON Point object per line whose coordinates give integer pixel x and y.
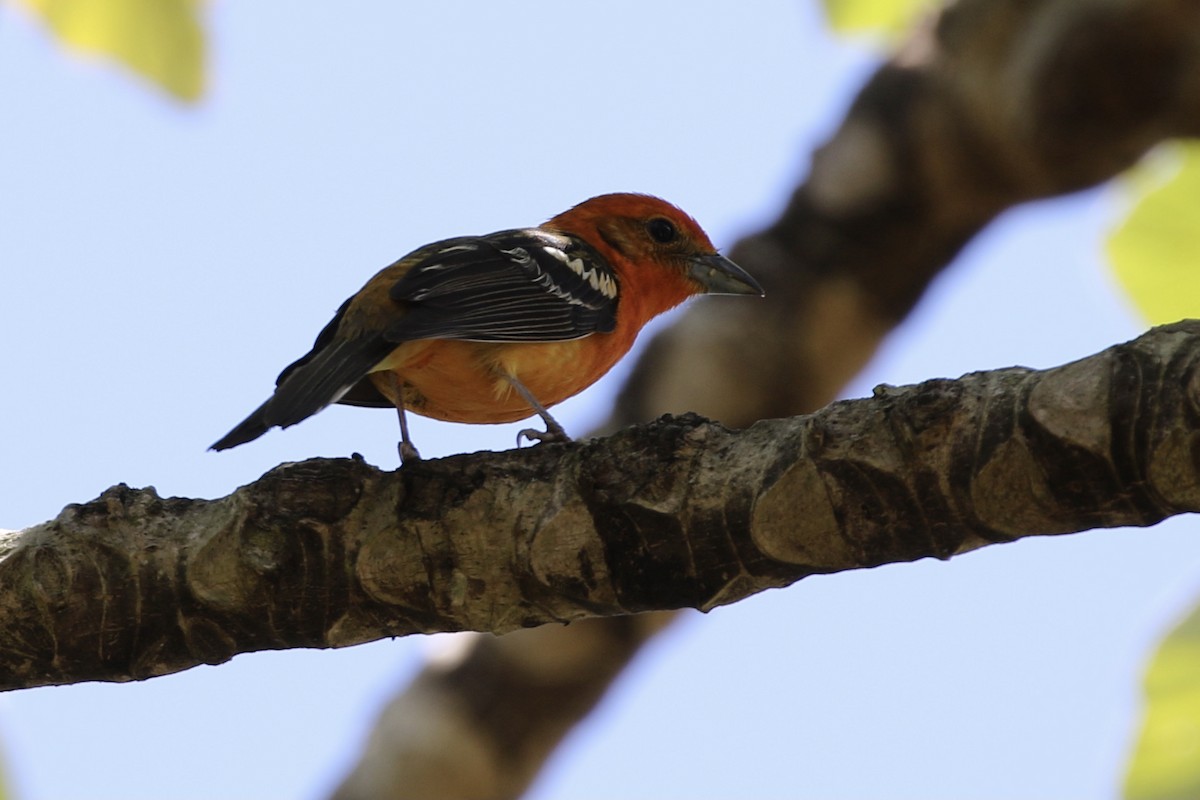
{"type": "Point", "coordinates": [408, 452]}
{"type": "Point", "coordinates": [553, 433]}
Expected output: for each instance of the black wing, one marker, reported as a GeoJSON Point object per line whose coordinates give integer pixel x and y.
{"type": "Point", "coordinates": [363, 349]}
{"type": "Point", "coordinates": [513, 286]}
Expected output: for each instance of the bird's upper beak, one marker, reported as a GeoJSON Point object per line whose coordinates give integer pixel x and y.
{"type": "Point", "coordinates": [718, 275]}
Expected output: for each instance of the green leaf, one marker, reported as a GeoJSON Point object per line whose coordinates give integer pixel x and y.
{"type": "Point", "coordinates": [1156, 251]}
{"type": "Point", "coordinates": [886, 16]}
{"type": "Point", "coordinates": [161, 40]}
{"type": "Point", "coordinates": [1166, 761]}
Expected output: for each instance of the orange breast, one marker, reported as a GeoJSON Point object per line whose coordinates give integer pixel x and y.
{"type": "Point", "coordinates": [461, 381]}
{"type": "Point", "coordinates": [465, 381]}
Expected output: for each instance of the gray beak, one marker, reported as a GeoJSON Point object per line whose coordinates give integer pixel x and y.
{"type": "Point", "coordinates": [718, 275]}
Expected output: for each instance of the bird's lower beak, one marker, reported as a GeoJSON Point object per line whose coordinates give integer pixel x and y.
{"type": "Point", "coordinates": [718, 275]}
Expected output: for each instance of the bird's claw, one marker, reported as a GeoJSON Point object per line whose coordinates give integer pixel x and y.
{"type": "Point", "coordinates": [548, 436]}
{"type": "Point", "coordinates": [408, 452]}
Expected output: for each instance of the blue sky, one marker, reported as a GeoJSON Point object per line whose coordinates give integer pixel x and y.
{"type": "Point", "coordinates": [162, 263]}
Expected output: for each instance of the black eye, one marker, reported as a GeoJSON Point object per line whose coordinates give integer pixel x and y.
{"type": "Point", "coordinates": [662, 230]}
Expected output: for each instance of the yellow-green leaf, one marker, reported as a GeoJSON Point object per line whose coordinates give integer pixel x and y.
{"type": "Point", "coordinates": [161, 40]}
{"type": "Point", "coordinates": [1166, 761]}
{"type": "Point", "coordinates": [887, 16]}
{"type": "Point", "coordinates": [1156, 251]}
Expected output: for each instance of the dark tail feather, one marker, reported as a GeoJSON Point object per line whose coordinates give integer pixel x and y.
{"type": "Point", "coordinates": [247, 430]}
{"type": "Point", "coordinates": [308, 386]}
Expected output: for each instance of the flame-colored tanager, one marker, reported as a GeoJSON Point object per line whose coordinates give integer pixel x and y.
{"type": "Point", "coordinates": [496, 328]}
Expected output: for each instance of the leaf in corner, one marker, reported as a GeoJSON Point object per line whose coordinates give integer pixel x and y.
{"type": "Point", "coordinates": [1166, 760]}
{"type": "Point", "coordinates": [886, 16]}
{"type": "Point", "coordinates": [161, 40]}
{"type": "Point", "coordinates": [1155, 252]}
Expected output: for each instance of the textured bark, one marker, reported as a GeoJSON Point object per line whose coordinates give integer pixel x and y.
{"type": "Point", "coordinates": [990, 104]}
{"type": "Point", "coordinates": [680, 513]}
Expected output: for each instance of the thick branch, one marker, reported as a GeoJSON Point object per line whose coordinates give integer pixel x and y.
{"type": "Point", "coordinates": [680, 513]}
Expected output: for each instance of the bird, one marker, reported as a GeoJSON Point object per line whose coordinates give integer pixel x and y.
{"type": "Point", "coordinates": [497, 328]}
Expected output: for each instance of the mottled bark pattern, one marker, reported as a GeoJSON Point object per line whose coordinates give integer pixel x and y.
{"type": "Point", "coordinates": [680, 513]}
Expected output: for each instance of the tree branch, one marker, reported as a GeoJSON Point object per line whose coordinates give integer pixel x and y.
{"type": "Point", "coordinates": [480, 723]}
{"type": "Point", "coordinates": [680, 513]}
{"type": "Point", "coordinates": [991, 104]}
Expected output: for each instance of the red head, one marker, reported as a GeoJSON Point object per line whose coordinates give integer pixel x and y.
{"type": "Point", "coordinates": [661, 255]}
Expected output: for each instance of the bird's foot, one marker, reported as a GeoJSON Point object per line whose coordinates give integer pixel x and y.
{"type": "Point", "coordinates": [552, 434]}
{"type": "Point", "coordinates": [408, 452]}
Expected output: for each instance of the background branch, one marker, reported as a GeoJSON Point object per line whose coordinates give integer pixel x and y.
{"type": "Point", "coordinates": [987, 105]}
